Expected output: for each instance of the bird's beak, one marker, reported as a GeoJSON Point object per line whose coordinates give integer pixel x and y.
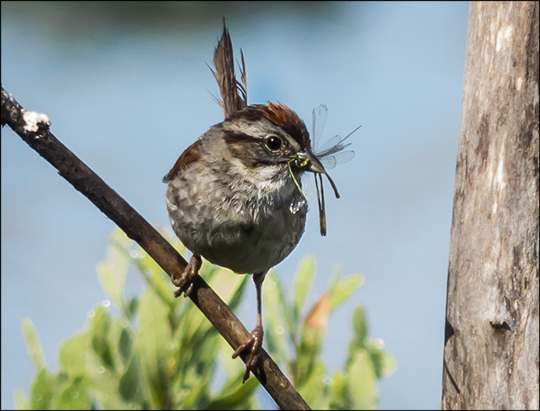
{"type": "Point", "coordinates": [309, 161]}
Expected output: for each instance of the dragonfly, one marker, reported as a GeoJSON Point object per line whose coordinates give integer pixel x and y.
{"type": "Point", "coordinates": [329, 154]}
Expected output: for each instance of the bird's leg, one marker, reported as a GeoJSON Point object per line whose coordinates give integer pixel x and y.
{"type": "Point", "coordinates": [253, 344]}
{"type": "Point", "coordinates": [185, 282]}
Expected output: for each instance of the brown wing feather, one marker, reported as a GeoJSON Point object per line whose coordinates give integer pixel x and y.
{"type": "Point", "coordinates": [233, 93]}
{"type": "Point", "coordinates": [189, 156]}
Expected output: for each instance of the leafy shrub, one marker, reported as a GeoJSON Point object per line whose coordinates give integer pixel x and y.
{"type": "Point", "coordinates": [160, 352]}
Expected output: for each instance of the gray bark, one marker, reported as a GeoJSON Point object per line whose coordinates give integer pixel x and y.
{"type": "Point", "coordinates": [491, 341]}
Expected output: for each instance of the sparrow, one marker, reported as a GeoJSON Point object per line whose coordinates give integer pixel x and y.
{"type": "Point", "coordinates": [235, 195]}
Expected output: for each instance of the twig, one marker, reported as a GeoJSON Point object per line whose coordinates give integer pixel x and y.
{"type": "Point", "coordinates": [33, 128]}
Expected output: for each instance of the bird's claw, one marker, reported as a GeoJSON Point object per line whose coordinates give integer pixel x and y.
{"type": "Point", "coordinates": [185, 282]}
{"type": "Point", "coordinates": [252, 346]}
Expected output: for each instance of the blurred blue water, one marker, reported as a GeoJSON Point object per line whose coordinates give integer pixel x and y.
{"type": "Point", "coordinates": [127, 89]}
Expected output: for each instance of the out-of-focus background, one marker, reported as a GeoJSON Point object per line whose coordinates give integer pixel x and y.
{"type": "Point", "coordinates": [127, 88]}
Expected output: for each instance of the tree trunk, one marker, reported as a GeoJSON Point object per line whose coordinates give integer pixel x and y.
{"type": "Point", "coordinates": [491, 337]}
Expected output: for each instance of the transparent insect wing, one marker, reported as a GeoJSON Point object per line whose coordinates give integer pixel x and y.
{"type": "Point", "coordinates": [330, 161]}
{"type": "Point", "coordinates": [326, 147]}
{"type": "Point", "coordinates": [319, 120]}
{"type": "Point", "coordinates": [329, 153]}
{"type": "Point", "coordinates": [334, 145]}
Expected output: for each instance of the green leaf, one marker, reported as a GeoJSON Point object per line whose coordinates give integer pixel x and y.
{"type": "Point", "coordinates": [360, 326]}
{"type": "Point", "coordinates": [75, 396]}
{"type": "Point", "coordinates": [197, 396]}
{"type": "Point", "coordinates": [385, 364]}
{"type": "Point", "coordinates": [132, 307]}
{"type": "Point", "coordinates": [154, 275]}
{"type": "Point", "coordinates": [104, 384]}
{"type": "Point", "coordinates": [388, 365]}
{"type": "Point", "coordinates": [112, 271]}
{"type": "Point", "coordinates": [312, 338]}
{"type": "Point", "coordinates": [72, 355]}
{"type": "Point", "coordinates": [99, 335]}
{"type": "Point", "coordinates": [276, 321]}
{"type": "Point", "coordinates": [344, 288]}
{"type": "Point", "coordinates": [306, 356]}
{"type": "Point", "coordinates": [153, 342]}
{"type": "Point", "coordinates": [238, 296]}
{"type": "Point", "coordinates": [21, 400]}
{"type": "Point", "coordinates": [239, 398]}
{"type": "Point", "coordinates": [125, 344]}
{"type": "Point", "coordinates": [129, 386]}
{"type": "Point", "coordinates": [151, 272]}
{"type": "Point", "coordinates": [338, 392]}
{"type": "Point", "coordinates": [186, 337]}
{"type": "Point", "coordinates": [362, 381]}
{"type": "Point", "coordinates": [315, 389]}
{"type": "Point", "coordinates": [303, 282]}
{"type": "Point", "coordinates": [42, 391]}
{"type": "Point", "coordinates": [33, 344]}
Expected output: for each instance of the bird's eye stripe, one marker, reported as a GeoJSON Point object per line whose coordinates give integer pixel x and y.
{"type": "Point", "coordinates": [238, 137]}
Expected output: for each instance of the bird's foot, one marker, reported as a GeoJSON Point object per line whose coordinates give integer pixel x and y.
{"type": "Point", "coordinates": [252, 347]}
{"type": "Point", "coordinates": [185, 282]}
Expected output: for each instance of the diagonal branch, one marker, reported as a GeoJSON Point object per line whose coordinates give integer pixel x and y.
{"type": "Point", "coordinates": [33, 128]}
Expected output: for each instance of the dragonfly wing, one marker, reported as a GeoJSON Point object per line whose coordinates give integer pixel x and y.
{"type": "Point", "coordinates": [326, 147]}
{"type": "Point", "coordinates": [344, 156]}
{"type": "Point", "coordinates": [333, 160]}
{"type": "Point", "coordinates": [329, 162]}
{"type": "Point", "coordinates": [319, 120]}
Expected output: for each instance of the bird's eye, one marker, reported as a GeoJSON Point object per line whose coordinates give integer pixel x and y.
{"type": "Point", "coordinates": [273, 143]}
